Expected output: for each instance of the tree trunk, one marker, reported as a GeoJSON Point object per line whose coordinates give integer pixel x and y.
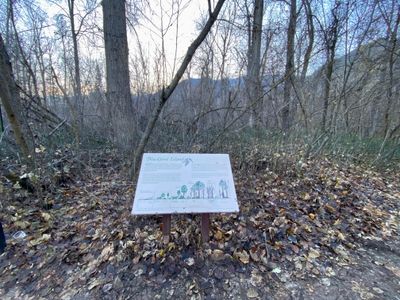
{"type": "Point", "coordinates": [254, 60]}
{"type": "Point", "coordinates": [117, 72]}
{"type": "Point", "coordinates": [77, 70]}
{"type": "Point", "coordinates": [331, 37]}
{"type": "Point", "coordinates": [391, 50]}
{"type": "Point", "coordinates": [1, 121]}
{"type": "Point", "coordinates": [167, 92]}
{"type": "Point", "coordinates": [310, 32]}
{"type": "Point", "coordinates": [289, 69]}
{"type": "Point", "coordinates": [12, 103]}
{"type": "Point", "coordinates": [327, 87]}
{"type": "Point", "coordinates": [42, 69]}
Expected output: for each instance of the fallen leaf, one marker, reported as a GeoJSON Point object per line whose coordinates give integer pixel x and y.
{"type": "Point", "coordinates": [252, 293]}
{"type": "Point", "coordinates": [341, 236]}
{"type": "Point", "coordinates": [243, 256]}
{"type": "Point", "coordinates": [106, 253]}
{"type": "Point", "coordinates": [42, 239]}
{"type": "Point", "coordinates": [21, 224]}
{"type": "Point", "coordinates": [95, 283]}
{"type": "Point", "coordinates": [255, 254]}
{"type": "Point", "coordinates": [189, 261]}
{"type": "Point", "coordinates": [295, 249]}
{"type": "Point", "coordinates": [313, 254]}
{"type": "Point", "coordinates": [219, 235]}
{"type": "Point", "coordinates": [276, 270]}
{"type": "Point", "coordinates": [217, 254]}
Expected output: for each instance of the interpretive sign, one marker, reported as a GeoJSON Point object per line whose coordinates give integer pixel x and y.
{"type": "Point", "coordinates": [172, 183]}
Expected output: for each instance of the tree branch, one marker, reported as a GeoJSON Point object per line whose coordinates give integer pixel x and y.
{"type": "Point", "coordinates": [167, 92]}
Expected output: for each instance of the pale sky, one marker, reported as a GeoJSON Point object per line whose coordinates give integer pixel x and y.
{"type": "Point", "coordinates": [178, 29]}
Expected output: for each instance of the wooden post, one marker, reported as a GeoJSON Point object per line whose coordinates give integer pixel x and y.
{"type": "Point", "coordinates": [205, 227]}
{"type": "Point", "coordinates": [2, 239]}
{"type": "Point", "coordinates": [166, 227]}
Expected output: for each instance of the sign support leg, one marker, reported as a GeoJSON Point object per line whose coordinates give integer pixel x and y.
{"type": "Point", "coordinates": [166, 220]}
{"type": "Point", "coordinates": [205, 227]}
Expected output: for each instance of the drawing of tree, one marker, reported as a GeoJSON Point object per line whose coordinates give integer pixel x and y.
{"type": "Point", "coordinates": [210, 191]}
{"type": "Point", "coordinates": [223, 189]}
{"type": "Point", "coordinates": [184, 190]}
{"type": "Point", "coordinates": [202, 187]}
{"type": "Point", "coordinates": [193, 191]}
{"type": "Point", "coordinates": [197, 190]}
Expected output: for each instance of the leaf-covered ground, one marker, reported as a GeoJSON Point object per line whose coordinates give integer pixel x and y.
{"type": "Point", "coordinates": [315, 230]}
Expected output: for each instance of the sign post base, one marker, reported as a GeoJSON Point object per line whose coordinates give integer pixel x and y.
{"type": "Point", "coordinates": [205, 227]}
{"type": "Point", "coordinates": [166, 227]}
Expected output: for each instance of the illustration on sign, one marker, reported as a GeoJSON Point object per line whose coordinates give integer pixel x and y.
{"type": "Point", "coordinates": [197, 191]}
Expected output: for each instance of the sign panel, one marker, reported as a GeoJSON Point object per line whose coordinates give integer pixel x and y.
{"type": "Point", "coordinates": [185, 183]}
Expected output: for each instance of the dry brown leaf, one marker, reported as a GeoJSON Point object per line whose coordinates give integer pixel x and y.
{"type": "Point", "coordinates": [136, 259]}
{"type": "Point", "coordinates": [255, 254]}
{"type": "Point", "coordinates": [341, 236]}
{"type": "Point", "coordinates": [217, 254]}
{"type": "Point", "coordinates": [45, 216]}
{"type": "Point", "coordinates": [106, 253]}
{"type": "Point", "coordinates": [219, 235]}
{"type": "Point", "coordinates": [42, 239]}
{"type": "Point", "coordinates": [313, 254]}
{"type": "Point", "coordinates": [252, 293]}
{"type": "Point", "coordinates": [95, 283]}
{"type": "Point", "coordinates": [330, 208]}
{"type": "Point", "coordinates": [243, 256]}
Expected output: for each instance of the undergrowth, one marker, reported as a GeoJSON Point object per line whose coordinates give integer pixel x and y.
{"type": "Point", "coordinates": [250, 148]}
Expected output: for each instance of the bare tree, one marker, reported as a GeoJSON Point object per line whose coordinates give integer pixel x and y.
{"type": "Point", "coordinates": [117, 71]}
{"type": "Point", "coordinates": [22, 52]}
{"type": "Point", "coordinates": [289, 68]}
{"type": "Point", "coordinates": [77, 70]}
{"type": "Point", "coordinates": [392, 21]}
{"type": "Point", "coordinates": [12, 103]}
{"type": "Point", "coordinates": [310, 31]}
{"type": "Point", "coordinates": [330, 37]}
{"type": "Point", "coordinates": [167, 92]}
{"type": "Point", "coordinates": [254, 59]}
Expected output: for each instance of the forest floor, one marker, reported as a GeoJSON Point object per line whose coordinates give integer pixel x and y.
{"type": "Point", "coordinates": [316, 230]}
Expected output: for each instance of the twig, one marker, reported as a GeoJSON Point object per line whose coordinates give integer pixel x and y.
{"type": "Point", "coordinates": [57, 127]}
{"type": "Point", "coordinates": [3, 133]}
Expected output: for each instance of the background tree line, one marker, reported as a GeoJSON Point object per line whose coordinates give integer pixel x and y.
{"type": "Point", "coordinates": [312, 70]}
